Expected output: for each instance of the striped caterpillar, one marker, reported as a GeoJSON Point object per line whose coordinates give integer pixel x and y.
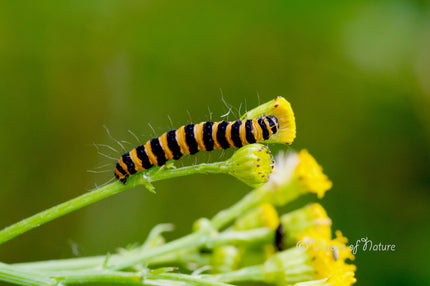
{"type": "Point", "coordinates": [189, 139]}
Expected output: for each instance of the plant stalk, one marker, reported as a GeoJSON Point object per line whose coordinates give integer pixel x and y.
{"type": "Point", "coordinates": [165, 253]}
{"type": "Point", "coordinates": [145, 178]}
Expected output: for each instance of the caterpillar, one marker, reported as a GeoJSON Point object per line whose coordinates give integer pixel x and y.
{"type": "Point", "coordinates": [191, 138]}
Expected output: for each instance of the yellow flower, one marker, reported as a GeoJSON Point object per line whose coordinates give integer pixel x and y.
{"type": "Point", "coordinates": [343, 275]}
{"type": "Point", "coordinates": [321, 259]}
{"type": "Point", "coordinates": [264, 215]}
{"type": "Point", "coordinates": [294, 174]}
{"type": "Point", "coordinates": [328, 260]}
{"type": "Point", "coordinates": [310, 174]}
{"type": "Point", "coordinates": [281, 109]}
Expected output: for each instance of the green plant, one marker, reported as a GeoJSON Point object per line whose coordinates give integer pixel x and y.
{"type": "Point", "coordinates": [246, 242]}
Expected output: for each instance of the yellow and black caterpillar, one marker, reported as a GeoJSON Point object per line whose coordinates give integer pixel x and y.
{"type": "Point", "coordinates": [191, 138]}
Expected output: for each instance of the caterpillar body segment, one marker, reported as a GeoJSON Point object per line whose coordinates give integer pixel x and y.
{"type": "Point", "coordinates": [191, 138]}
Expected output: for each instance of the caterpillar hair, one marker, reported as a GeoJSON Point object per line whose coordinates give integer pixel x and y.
{"type": "Point", "coordinates": [191, 138]}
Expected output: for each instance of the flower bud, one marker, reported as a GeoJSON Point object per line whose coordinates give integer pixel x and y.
{"type": "Point", "coordinates": [287, 267]}
{"type": "Point", "coordinates": [252, 164]}
{"type": "Point", "coordinates": [202, 224]}
{"type": "Point", "coordinates": [225, 259]}
{"type": "Point", "coordinates": [281, 109]}
{"type": "Point", "coordinates": [306, 221]}
{"type": "Point", "coordinates": [264, 215]}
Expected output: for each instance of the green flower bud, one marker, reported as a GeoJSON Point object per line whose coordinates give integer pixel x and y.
{"type": "Point", "coordinates": [225, 259]}
{"type": "Point", "coordinates": [287, 267]}
{"type": "Point", "coordinates": [202, 224]}
{"type": "Point", "coordinates": [311, 220]}
{"type": "Point", "coordinates": [264, 215]}
{"type": "Point", "coordinates": [252, 164]}
{"type": "Point", "coordinates": [256, 254]}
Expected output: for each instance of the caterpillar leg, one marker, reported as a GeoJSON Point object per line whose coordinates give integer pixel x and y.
{"type": "Point", "coordinates": [120, 174]}
{"type": "Point", "coordinates": [122, 179]}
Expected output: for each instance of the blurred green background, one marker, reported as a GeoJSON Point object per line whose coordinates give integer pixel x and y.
{"type": "Point", "coordinates": [357, 75]}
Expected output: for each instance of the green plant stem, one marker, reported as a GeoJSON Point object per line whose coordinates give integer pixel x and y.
{"type": "Point", "coordinates": [23, 277]}
{"type": "Point", "coordinates": [18, 276]}
{"type": "Point", "coordinates": [197, 280]}
{"type": "Point", "coordinates": [226, 216]}
{"type": "Point", "coordinates": [193, 240]}
{"type": "Point", "coordinates": [103, 276]}
{"type": "Point", "coordinates": [184, 255]}
{"type": "Point", "coordinates": [67, 264]}
{"type": "Point", "coordinates": [188, 241]}
{"type": "Point", "coordinates": [275, 194]}
{"type": "Point", "coordinates": [251, 273]}
{"type": "Point", "coordinates": [181, 257]}
{"type": "Point", "coordinates": [151, 175]}
{"type": "Point", "coordinates": [167, 253]}
{"type": "Point", "coordinates": [243, 237]}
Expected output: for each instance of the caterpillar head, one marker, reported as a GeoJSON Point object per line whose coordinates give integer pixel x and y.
{"type": "Point", "coordinates": [281, 109]}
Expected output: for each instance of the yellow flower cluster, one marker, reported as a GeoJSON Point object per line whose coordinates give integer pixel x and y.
{"type": "Point", "coordinates": [250, 241]}
{"type": "Point", "coordinates": [316, 256]}
{"type": "Point", "coordinates": [324, 260]}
